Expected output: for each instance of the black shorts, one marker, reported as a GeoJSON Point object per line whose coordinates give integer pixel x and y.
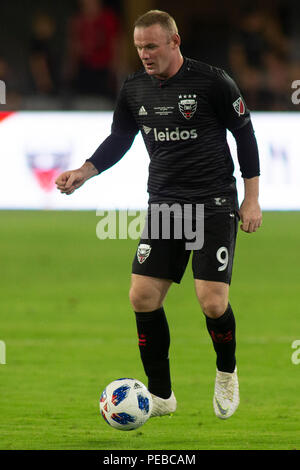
{"type": "Point", "coordinates": [168, 258]}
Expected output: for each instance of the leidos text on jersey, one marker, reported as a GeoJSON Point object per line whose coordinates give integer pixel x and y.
{"type": "Point", "coordinates": [172, 135]}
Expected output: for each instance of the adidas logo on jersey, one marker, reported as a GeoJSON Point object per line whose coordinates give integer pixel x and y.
{"type": "Point", "coordinates": [142, 111]}
{"type": "Point", "coordinates": [147, 129]}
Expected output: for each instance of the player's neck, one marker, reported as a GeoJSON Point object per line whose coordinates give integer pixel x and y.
{"type": "Point", "coordinates": [174, 68]}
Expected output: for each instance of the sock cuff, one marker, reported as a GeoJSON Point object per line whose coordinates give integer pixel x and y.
{"type": "Point", "coordinates": [228, 314]}
{"type": "Point", "coordinates": [149, 316]}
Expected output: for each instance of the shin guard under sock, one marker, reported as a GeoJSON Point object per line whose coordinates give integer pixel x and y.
{"type": "Point", "coordinates": [222, 332]}
{"type": "Point", "coordinates": [154, 342]}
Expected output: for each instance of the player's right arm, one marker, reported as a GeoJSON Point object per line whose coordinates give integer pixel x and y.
{"type": "Point", "coordinates": [123, 131]}
{"type": "Point", "coordinates": [70, 180]}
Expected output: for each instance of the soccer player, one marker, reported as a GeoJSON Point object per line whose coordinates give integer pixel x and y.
{"type": "Point", "coordinates": [183, 108]}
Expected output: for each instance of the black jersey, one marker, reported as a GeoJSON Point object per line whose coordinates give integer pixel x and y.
{"type": "Point", "coordinates": [183, 121]}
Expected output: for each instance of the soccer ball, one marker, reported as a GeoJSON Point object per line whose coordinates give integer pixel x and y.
{"type": "Point", "coordinates": [126, 404]}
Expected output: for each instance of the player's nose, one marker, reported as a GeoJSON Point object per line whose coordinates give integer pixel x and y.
{"type": "Point", "coordinates": [144, 55]}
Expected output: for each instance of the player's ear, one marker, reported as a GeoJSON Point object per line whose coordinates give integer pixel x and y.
{"type": "Point", "coordinates": [176, 40]}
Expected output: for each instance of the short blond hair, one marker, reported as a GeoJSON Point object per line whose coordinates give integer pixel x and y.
{"type": "Point", "coordinates": [164, 19]}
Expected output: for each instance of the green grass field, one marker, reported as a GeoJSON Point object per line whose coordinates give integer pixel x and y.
{"type": "Point", "coordinates": [69, 330]}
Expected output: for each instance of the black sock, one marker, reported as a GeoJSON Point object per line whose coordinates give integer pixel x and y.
{"type": "Point", "coordinates": [222, 332]}
{"type": "Point", "coordinates": [154, 342]}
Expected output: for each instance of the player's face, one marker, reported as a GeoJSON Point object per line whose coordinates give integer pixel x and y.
{"type": "Point", "coordinates": [157, 49]}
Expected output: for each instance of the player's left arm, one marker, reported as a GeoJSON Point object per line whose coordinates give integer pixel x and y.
{"type": "Point", "coordinates": [250, 211]}
{"type": "Point", "coordinates": [248, 157]}
{"type": "Point", "coordinates": [235, 116]}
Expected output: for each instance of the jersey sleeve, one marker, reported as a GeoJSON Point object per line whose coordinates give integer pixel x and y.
{"type": "Point", "coordinates": [123, 123]}
{"type": "Point", "coordinates": [247, 151]}
{"type": "Point", "coordinates": [123, 131]}
{"type": "Point", "coordinates": [228, 102]}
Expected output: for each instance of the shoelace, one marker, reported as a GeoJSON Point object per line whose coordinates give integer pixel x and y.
{"type": "Point", "coordinates": [225, 387]}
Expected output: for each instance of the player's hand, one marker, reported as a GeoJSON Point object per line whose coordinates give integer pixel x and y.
{"type": "Point", "coordinates": [250, 215]}
{"type": "Point", "coordinates": [68, 181]}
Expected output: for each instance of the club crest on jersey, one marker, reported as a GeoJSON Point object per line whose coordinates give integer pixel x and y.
{"type": "Point", "coordinates": [143, 252]}
{"type": "Point", "coordinates": [239, 106]}
{"type": "Point", "coordinates": [187, 105]}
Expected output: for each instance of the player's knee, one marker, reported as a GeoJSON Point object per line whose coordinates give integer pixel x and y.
{"type": "Point", "coordinates": [143, 300]}
{"type": "Point", "coordinates": [213, 306]}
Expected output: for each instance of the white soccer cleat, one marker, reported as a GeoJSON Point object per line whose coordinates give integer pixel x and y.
{"type": "Point", "coordinates": [163, 406]}
{"type": "Point", "coordinates": [226, 397]}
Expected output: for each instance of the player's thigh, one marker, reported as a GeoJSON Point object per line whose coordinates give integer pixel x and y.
{"type": "Point", "coordinates": [161, 258]}
{"type": "Point", "coordinates": [212, 296]}
{"type": "Point", "coordinates": [148, 293]}
{"type": "Point", "coordinates": [214, 262]}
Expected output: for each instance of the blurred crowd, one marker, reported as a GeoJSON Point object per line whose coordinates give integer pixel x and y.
{"type": "Point", "coordinates": [260, 59]}
{"type": "Point", "coordinates": [88, 63]}
{"type": "Point", "coordinates": [258, 48]}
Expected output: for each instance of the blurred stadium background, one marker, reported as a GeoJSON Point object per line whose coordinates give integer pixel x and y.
{"type": "Point", "coordinates": [66, 60]}
{"type": "Point", "coordinates": [60, 312]}
{"type": "Point", "coordinates": [40, 42]}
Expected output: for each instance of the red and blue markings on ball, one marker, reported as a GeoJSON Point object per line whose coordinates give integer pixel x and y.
{"type": "Point", "coordinates": [143, 403]}
{"type": "Point", "coordinates": [103, 396]}
{"type": "Point", "coordinates": [106, 420]}
{"type": "Point", "coordinates": [123, 418]}
{"type": "Point", "coordinates": [120, 394]}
